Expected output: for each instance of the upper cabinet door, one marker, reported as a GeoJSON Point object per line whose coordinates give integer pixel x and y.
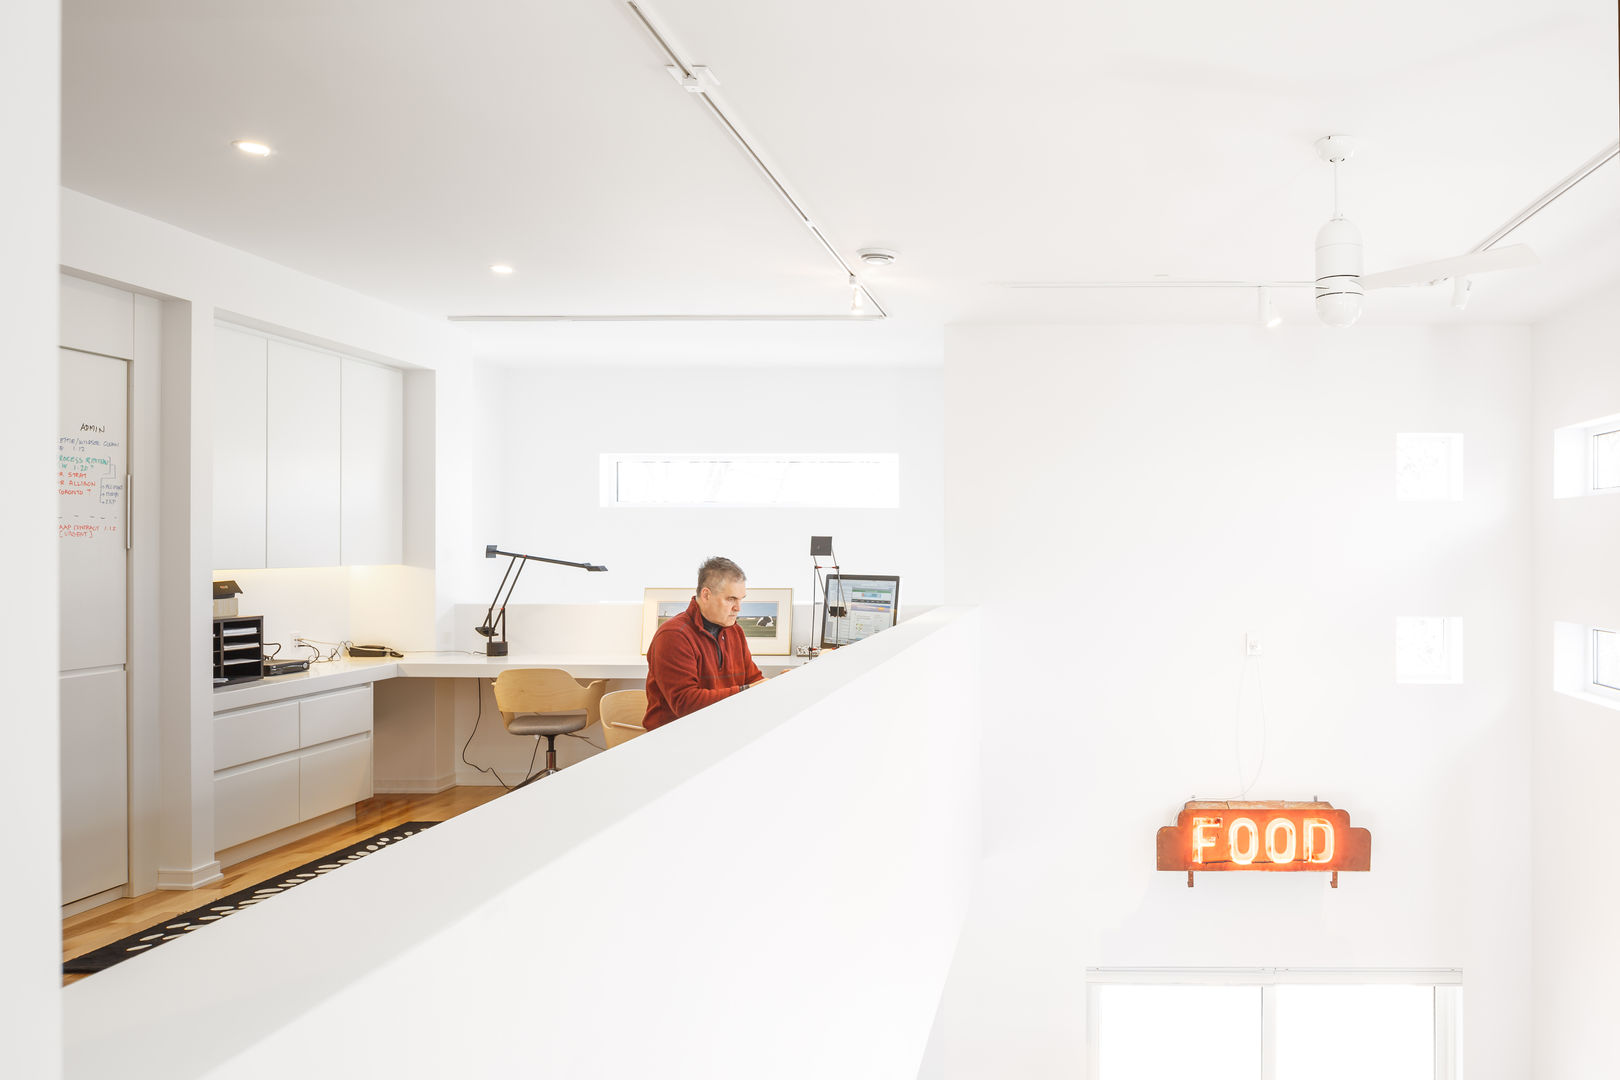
{"type": "Point", "coordinates": [373, 452]}
{"type": "Point", "coordinates": [304, 467]}
{"type": "Point", "coordinates": [239, 449]}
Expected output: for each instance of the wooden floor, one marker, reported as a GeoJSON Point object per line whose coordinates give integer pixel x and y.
{"type": "Point", "coordinates": [105, 924]}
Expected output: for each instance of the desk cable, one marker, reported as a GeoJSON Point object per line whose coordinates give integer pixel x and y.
{"type": "Point", "coordinates": [478, 719]}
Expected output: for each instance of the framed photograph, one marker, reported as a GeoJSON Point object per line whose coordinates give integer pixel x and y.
{"type": "Point", "coordinates": [658, 606]}
{"type": "Point", "coordinates": [766, 618]}
{"type": "Point", "coordinates": [767, 621]}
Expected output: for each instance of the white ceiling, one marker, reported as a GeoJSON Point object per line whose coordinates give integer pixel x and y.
{"type": "Point", "coordinates": [1027, 140]}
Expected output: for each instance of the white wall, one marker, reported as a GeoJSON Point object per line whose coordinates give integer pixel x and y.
{"type": "Point", "coordinates": [1577, 579]}
{"type": "Point", "coordinates": [696, 904]}
{"type": "Point", "coordinates": [1127, 503]}
{"type": "Point", "coordinates": [550, 425]}
{"type": "Point", "coordinates": [388, 605]}
{"type": "Point", "coordinates": [31, 1019]}
{"type": "Point", "coordinates": [200, 280]}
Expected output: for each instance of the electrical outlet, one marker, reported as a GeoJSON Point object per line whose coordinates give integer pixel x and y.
{"type": "Point", "coordinates": [1252, 646]}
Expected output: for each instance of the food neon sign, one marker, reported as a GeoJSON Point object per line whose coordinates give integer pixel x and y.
{"type": "Point", "coordinates": [1265, 836]}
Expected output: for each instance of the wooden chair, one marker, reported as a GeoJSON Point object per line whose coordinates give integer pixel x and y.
{"type": "Point", "coordinates": [548, 702]}
{"type": "Point", "coordinates": [622, 713]}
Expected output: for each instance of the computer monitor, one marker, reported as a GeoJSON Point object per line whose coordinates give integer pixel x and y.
{"type": "Point", "coordinates": [858, 606]}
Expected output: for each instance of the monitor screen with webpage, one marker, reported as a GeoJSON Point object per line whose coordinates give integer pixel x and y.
{"type": "Point", "coordinates": [858, 606]}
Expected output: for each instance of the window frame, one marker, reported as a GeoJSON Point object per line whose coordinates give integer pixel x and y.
{"type": "Point", "coordinates": [609, 462]}
{"type": "Point", "coordinates": [1575, 457]}
{"type": "Point", "coordinates": [1599, 689]}
{"type": "Point", "coordinates": [1574, 657]}
{"type": "Point", "coordinates": [1593, 434]}
{"type": "Point", "coordinates": [1447, 984]}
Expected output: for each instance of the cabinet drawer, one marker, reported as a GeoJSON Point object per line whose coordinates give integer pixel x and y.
{"type": "Point", "coordinates": [334, 778]}
{"type": "Point", "coordinates": [255, 801]}
{"type": "Point", "coordinates": [255, 733]}
{"type": "Point", "coordinates": [332, 716]}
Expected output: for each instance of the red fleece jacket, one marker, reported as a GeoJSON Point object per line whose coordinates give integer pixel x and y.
{"type": "Point", "coordinates": [687, 668]}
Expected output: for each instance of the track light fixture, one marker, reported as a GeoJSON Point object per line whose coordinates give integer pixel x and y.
{"type": "Point", "coordinates": [1460, 287]}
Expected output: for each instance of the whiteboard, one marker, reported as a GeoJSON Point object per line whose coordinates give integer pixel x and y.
{"type": "Point", "coordinates": [91, 476]}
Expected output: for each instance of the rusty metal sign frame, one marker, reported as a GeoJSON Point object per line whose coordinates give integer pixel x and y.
{"type": "Point", "coordinates": [1240, 836]}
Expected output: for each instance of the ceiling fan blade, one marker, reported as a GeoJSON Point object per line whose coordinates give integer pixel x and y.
{"type": "Point", "coordinates": [1505, 258]}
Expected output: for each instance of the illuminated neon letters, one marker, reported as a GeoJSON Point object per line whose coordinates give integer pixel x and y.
{"type": "Point", "coordinates": [1248, 836]}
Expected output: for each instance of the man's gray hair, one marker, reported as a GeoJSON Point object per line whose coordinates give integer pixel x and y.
{"type": "Point", "coordinates": [717, 571]}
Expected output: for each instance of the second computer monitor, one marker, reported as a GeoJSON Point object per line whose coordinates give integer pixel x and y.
{"type": "Point", "coordinates": [858, 606]}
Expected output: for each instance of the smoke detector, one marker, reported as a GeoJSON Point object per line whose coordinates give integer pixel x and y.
{"type": "Point", "coordinates": [877, 258]}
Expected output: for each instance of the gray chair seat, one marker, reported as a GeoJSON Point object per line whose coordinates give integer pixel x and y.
{"type": "Point", "coordinates": [563, 723]}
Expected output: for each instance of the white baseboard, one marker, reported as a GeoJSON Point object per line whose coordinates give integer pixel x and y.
{"type": "Point", "coordinates": [195, 878]}
{"type": "Point", "coordinates": [291, 834]}
{"type": "Point", "coordinates": [117, 892]}
{"type": "Point", "coordinates": [413, 785]}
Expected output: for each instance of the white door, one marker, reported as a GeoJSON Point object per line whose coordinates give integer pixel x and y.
{"type": "Point", "coordinates": [92, 528]}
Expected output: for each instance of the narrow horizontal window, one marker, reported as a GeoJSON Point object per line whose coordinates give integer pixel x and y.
{"type": "Point", "coordinates": [852, 481]}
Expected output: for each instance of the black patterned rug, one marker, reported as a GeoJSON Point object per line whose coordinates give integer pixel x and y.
{"type": "Point", "coordinates": [215, 910]}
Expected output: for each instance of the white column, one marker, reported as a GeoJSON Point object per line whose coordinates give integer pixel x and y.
{"type": "Point", "coordinates": [186, 813]}
{"type": "Point", "coordinates": [30, 849]}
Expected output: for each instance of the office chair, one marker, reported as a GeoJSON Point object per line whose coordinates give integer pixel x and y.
{"type": "Point", "coordinates": [622, 713]}
{"type": "Point", "coordinates": [548, 702]}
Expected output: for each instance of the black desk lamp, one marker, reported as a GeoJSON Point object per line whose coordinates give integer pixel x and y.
{"type": "Point", "coordinates": [492, 621]}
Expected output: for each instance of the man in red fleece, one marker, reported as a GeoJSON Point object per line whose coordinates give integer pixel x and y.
{"type": "Point", "coordinates": [701, 655]}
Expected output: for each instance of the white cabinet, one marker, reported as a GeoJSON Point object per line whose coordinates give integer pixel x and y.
{"type": "Point", "coordinates": [333, 777]}
{"type": "Point", "coordinates": [239, 448]}
{"type": "Point", "coordinates": [279, 764]}
{"type": "Point", "coordinates": [250, 734]}
{"type": "Point", "coordinates": [253, 801]}
{"type": "Point", "coordinates": [308, 456]}
{"type": "Point", "coordinates": [373, 457]}
{"type": "Point", "coordinates": [94, 777]}
{"type": "Point", "coordinates": [303, 469]}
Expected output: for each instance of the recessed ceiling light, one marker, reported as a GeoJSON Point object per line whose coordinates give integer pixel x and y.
{"type": "Point", "coordinates": [878, 257]}
{"type": "Point", "coordinates": [499, 268]}
{"type": "Point", "coordinates": [247, 146]}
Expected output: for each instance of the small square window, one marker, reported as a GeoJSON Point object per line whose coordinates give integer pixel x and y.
{"type": "Point", "coordinates": [1429, 466]}
{"type": "Point", "coordinates": [1586, 663]}
{"type": "Point", "coordinates": [1428, 649]}
{"type": "Point", "coordinates": [1586, 458]}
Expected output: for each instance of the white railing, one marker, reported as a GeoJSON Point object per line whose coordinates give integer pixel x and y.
{"type": "Point", "coordinates": [772, 887]}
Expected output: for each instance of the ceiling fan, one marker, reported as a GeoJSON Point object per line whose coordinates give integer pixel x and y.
{"type": "Point", "coordinates": [1339, 280]}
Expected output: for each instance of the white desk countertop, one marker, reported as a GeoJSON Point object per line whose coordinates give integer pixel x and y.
{"type": "Point", "coordinates": [339, 674]}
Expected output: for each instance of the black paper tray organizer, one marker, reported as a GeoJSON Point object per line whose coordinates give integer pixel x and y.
{"type": "Point", "coordinates": [238, 649]}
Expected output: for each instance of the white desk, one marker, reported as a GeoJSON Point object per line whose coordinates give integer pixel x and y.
{"type": "Point", "coordinates": [419, 728]}
{"type": "Point", "coordinates": [443, 665]}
